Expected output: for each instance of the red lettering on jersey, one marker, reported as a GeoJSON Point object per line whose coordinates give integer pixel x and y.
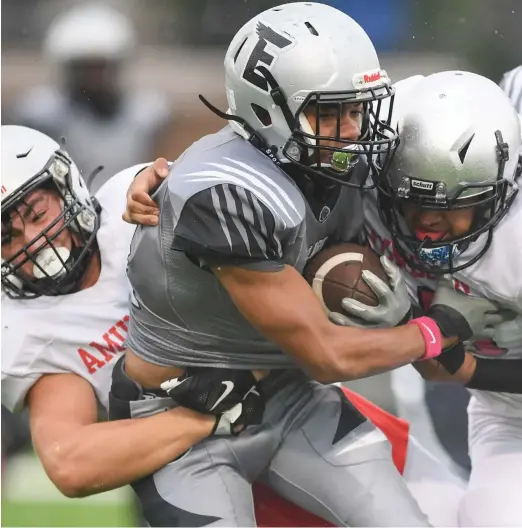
{"type": "Point", "coordinates": [92, 363]}
{"type": "Point", "coordinates": [111, 345]}
{"type": "Point", "coordinates": [111, 348]}
{"type": "Point", "coordinates": [461, 287]}
{"type": "Point", "coordinates": [115, 333]}
{"type": "Point", "coordinates": [121, 324]}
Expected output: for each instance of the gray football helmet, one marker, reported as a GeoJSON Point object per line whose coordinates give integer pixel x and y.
{"type": "Point", "coordinates": [460, 145]}
{"type": "Point", "coordinates": [300, 53]}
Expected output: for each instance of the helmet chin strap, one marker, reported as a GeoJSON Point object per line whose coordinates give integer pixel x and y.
{"type": "Point", "coordinates": [246, 131]}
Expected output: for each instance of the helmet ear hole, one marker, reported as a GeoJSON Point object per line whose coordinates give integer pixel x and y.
{"type": "Point", "coordinates": [239, 49]}
{"type": "Point", "coordinates": [262, 114]}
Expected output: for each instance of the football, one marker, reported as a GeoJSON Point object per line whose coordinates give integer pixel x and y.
{"type": "Point", "coordinates": [336, 273]}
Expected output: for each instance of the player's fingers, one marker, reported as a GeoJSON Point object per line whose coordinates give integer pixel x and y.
{"type": "Point", "coordinates": [393, 271]}
{"type": "Point", "coordinates": [141, 209]}
{"type": "Point", "coordinates": [140, 202]}
{"type": "Point", "coordinates": [487, 333]}
{"type": "Point", "coordinates": [146, 220]}
{"type": "Point", "coordinates": [161, 168]}
{"type": "Point", "coordinates": [149, 178]}
{"type": "Point", "coordinates": [353, 306]}
{"type": "Point", "coordinates": [368, 314]}
{"type": "Point", "coordinates": [126, 217]}
{"type": "Point", "coordinates": [377, 285]}
{"type": "Point", "coordinates": [493, 319]}
{"type": "Point", "coordinates": [342, 320]}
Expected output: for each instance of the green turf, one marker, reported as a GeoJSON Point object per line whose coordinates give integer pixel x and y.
{"type": "Point", "coordinates": [64, 514]}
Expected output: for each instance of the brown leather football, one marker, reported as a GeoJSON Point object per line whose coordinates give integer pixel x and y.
{"type": "Point", "coordinates": [335, 273]}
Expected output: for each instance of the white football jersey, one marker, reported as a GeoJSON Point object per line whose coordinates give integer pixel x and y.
{"type": "Point", "coordinates": [511, 83]}
{"type": "Point", "coordinates": [496, 276]}
{"type": "Point", "coordinates": [81, 333]}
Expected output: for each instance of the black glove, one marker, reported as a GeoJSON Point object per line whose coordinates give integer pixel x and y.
{"type": "Point", "coordinates": [217, 391]}
{"type": "Point", "coordinates": [463, 316]}
{"type": "Point", "coordinates": [452, 358]}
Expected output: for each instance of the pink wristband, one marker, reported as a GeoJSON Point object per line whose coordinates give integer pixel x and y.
{"type": "Point", "coordinates": [432, 336]}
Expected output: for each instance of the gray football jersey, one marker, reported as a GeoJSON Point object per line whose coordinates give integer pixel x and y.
{"type": "Point", "coordinates": [224, 202]}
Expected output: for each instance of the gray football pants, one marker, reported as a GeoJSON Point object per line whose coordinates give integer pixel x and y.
{"type": "Point", "coordinates": [313, 448]}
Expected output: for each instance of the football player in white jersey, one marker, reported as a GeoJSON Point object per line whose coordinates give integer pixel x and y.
{"type": "Point", "coordinates": [64, 321]}
{"type": "Point", "coordinates": [452, 215]}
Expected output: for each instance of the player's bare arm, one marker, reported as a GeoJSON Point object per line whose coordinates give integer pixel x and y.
{"type": "Point", "coordinates": [83, 457]}
{"type": "Point", "coordinates": [435, 371]}
{"type": "Point", "coordinates": [477, 373]}
{"type": "Point", "coordinates": [284, 308]}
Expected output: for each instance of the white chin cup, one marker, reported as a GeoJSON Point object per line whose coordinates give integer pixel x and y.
{"type": "Point", "coordinates": [49, 264]}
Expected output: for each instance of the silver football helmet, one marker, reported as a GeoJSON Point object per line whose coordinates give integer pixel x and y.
{"type": "Point", "coordinates": [460, 144]}
{"type": "Point", "coordinates": [301, 53]}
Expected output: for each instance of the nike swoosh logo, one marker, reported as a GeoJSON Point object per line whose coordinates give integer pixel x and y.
{"type": "Point", "coordinates": [229, 387]}
{"type": "Point", "coordinates": [433, 339]}
{"type": "Point", "coordinates": [172, 383]}
{"type": "Point", "coordinates": [252, 390]}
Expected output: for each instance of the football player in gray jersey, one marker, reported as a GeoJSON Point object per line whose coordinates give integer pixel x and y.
{"type": "Point", "coordinates": [220, 310]}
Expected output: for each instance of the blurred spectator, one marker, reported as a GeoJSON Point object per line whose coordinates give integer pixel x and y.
{"type": "Point", "coordinates": [103, 122]}
{"type": "Point", "coordinates": [511, 83]}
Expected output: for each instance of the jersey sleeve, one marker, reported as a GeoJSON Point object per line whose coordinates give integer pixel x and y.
{"type": "Point", "coordinates": [15, 389]}
{"type": "Point", "coordinates": [18, 365]}
{"type": "Point", "coordinates": [229, 225]}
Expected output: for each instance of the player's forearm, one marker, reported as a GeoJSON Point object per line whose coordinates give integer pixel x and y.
{"type": "Point", "coordinates": [107, 455]}
{"type": "Point", "coordinates": [436, 370]}
{"type": "Point", "coordinates": [286, 311]}
{"type": "Point", "coordinates": [501, 375]}
{"type": "Point", "coordinates": [359, 353]}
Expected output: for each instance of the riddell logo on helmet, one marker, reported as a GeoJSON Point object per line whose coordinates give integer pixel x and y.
{"type": "Point", "coordinates": [4, 190]}
{"type": "Point", "coordinates": [372, 78]}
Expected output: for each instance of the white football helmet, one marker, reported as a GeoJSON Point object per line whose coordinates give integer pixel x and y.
{"type": "Point", "coordinates": [32, 160]}
{"type": "Point", "coordinates": [301, 53]}
{"type": "Point", "coordinates": [89, 31]}
{"type": "Point", "coordinates": [460, 144]}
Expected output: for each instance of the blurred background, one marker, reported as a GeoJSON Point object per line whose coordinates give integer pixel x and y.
{"type": "Point", "coordinates": [120, 79]}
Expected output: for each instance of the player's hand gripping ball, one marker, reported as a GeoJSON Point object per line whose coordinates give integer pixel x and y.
{"type": "Point", "coordinates": [357, 288]}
